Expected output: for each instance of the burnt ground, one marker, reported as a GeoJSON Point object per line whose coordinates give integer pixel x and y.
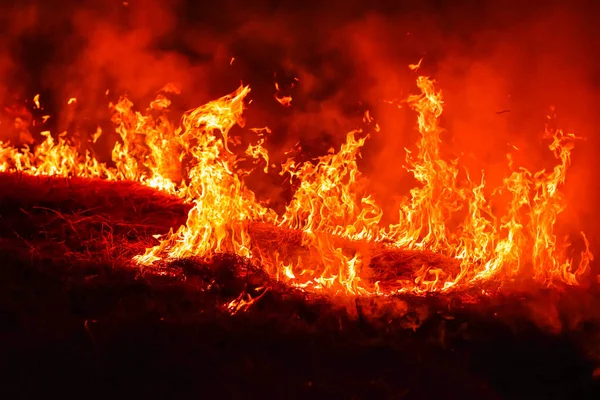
{"type": "Point", "coordinates": [78, 320]}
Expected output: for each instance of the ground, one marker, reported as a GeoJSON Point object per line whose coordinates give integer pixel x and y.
{"type": "Point", "coordinates": [77, 318]}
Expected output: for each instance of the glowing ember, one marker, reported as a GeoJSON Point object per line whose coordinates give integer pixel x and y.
{"type": "Point", "coordinates": [36, 101]}
{"type": "Point", "coordinates": [415, 67]}
{"type": "Point", "coordinates": [332, 227]}
{"type": "Point", "coordinates": [285, 101]}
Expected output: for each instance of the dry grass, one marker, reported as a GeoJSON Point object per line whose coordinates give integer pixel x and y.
{"type": "Point", "coordinates": [69, 291]}
{"type": "Point", "coordinates": [85, 221]}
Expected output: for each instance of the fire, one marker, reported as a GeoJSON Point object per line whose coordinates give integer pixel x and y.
{"type": "Point", "coordinates": [222, 204]}
{"type": "Point", "coordinates": [415, 67]}
{"type": "Point", "coordinates": [36, 101]}
{"type": "Point", "coordinates": [285, 101]}
{"type": "Point", "coordinates": [331, 233]}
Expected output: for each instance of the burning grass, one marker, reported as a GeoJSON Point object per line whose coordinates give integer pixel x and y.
{"type": "Point", "coordinates": [386, 265]}
{"type": "Point", "coordinates": [87, 224]}
{"type": "Point", "coordinates": [73, 305]}
{"type": "Point", "coordinates": [82, 221]}
{"type": "Point", "coordinates": [488, 235]}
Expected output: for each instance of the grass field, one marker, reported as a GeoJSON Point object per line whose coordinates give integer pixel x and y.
{"type": "Point", "coordinates": [77, 319]}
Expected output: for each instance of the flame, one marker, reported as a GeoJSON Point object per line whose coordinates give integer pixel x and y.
{"type": "Point", "coordinates": [223, 206]}
{"type": "Point", "coordinates": [285, 101]}
{"type": "Point", "coordinates": [244, 301]}
{"type": "Point", "coordinates": [97, 134]}
{"type": "Point", "coordinates": [415, 67]}
{"type": "Point", "coordinates": [52, 158]}
{"type": "Point", "coordinates": [332, 225]}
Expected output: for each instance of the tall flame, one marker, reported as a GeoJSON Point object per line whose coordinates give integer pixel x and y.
{"type": "Point", "coordinates": [223, 206]}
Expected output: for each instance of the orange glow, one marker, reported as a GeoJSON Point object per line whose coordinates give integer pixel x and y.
{"type": "Point", "coordinates": [331, 233]}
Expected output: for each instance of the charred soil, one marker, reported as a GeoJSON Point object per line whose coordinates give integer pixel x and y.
{"type": "Point", "coordinates": [77, 318]}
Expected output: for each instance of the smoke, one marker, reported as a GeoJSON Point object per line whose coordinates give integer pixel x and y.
{"type": "Point", "coordinates": [500, 67]}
